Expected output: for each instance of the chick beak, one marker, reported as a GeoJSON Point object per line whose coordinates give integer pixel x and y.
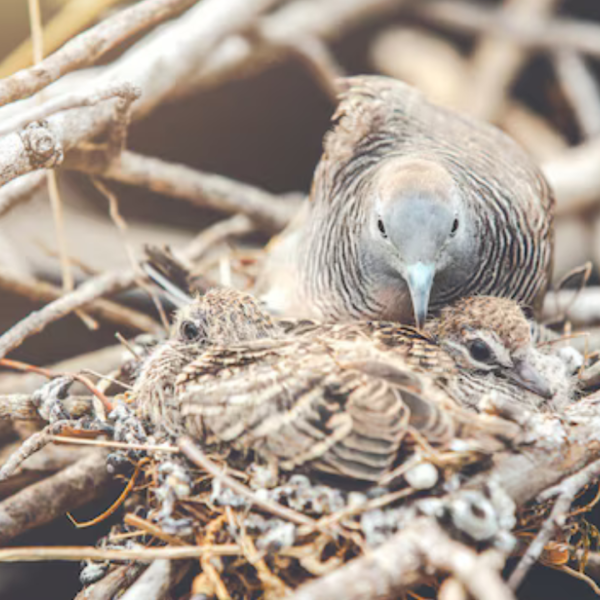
{"type": "Point", "coordinates": [524, 375]}
{"type": "Point", "coordinates": [420, 279]}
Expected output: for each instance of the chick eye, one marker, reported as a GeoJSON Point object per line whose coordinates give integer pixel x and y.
{"type": "Point", "coordinates": [480, 351]}
{"type": "Point", "coordinates": [454, 227]}
{"type": "Point", "coordinates": [190, 331]}
{"type": "Point", "coordinates": [381, 228]}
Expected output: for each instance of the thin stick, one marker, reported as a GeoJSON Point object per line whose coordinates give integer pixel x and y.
{"type": "Point", "coordinates": [116, 504]}
{"type": "Point", "coordinates": [146, 527]}
{"type": "Point", "coordinates": [37, 321]}
{"type": "Point", "coordinates": [78, 553]}
{"type": "Point", "coordinates": [103, 92]}
{"type": "Point", "coordinates": [63, 439]}
{"type": "Point", "coordinates": [206, 190]}
{"type": "Point", "coordinates": [42, 291]}
{"type": "Point", "coordinates": [193, 452]}
{"type": "Point", "coordinates": [86, 48]}
{"type": "Point", "coordinates": [567, 490]}
{"type": "Point", "coordinates": [21, 366]}
{"type": "Point", "coordinates": [121, 225]}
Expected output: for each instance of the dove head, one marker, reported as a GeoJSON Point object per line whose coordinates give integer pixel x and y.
{"type": "Point", "coordinates": [419, 231]}
{"type": "Point", "coordinates": [492, 335]}
{"type": "Point", "coordinates": [221, 317]}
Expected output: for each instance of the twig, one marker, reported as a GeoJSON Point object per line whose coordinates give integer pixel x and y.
{"type": "Point", "coordinates": [150, 528]}
{"type": "Point", "coordinates": [21, 366]}
{"type": "Point", "coordinates": [35, 24]}
{"type": "Point", "coordinates": [156, 582]}
{"type": "Point", "coordinates": [78, 553]}
{"type": "Point", "coordinates": [205, 190]}
{"type": "Point", "coordinates": [21, 407]}
{"type": "Point", "coordinates": [42, 291]}
{"type": "Point", "coordinates": [320, 62]}
{"type": "Point", "coordinates": [119, 221]}
{"type": "Point", "coordinates": [581, 89]}
{"type": "Point", "coordinates": [566, 491]}
{"type": "Point", "coordinates": [108, 283]}
{"type": "Point", "coordinates": [30, 446]}
{"type": "Point", "coordinates": [193, 452]}
{"type": "Point", "coordinates": [109, 587]}
{"type": "Point", "coordinates": [472, 17]}
{"type": "Point", "coordinates": [497, 60]}
{"type": "Point", "coordinates": [582, 307]}
{"type": "Point", "coordinates": [575, 178]}
{"type": "Point", "coordinates": [106, 359]}
{"type": "Point", "coordinates": [238, 225]}
{"type": "Point", "coordinates": [116, 504]}
{"type": "Point", "coordinates": [105, 91]}
{"type": "Point", "coordinates": [72, 17]}
{"type": "Point", "coordinates": [196, 34]}
{"type": "Point", "coordinates": [202, 28]}
{"type": "Point", "coordinates": [18, 407]}
{"type": "Point", "coordinates": [88, 47]}
{"type": "Point", "coordinates": [164, 69]}
{"type": "Point", "coordinates": [62, 439]}
{"type": "Point", "coordinates": [400, 563]}
{"type": "Point", "coordinates": [69, 489]}
{"type": "Point", "coordinates": [20, 190]}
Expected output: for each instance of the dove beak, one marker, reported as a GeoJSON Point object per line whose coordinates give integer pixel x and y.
{"type": "Point", "coordinates": [524, 375]}
{"type": "Point", "coordinates": [419, 277]}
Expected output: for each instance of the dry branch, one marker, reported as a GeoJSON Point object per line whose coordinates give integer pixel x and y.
{"type": "Point", "coordinates": [41, 291]}
{"type": "Point", "coordinates": [470, 17]}
{"type": "Point", "coordinates": [575, 177]}
{"type": "Point", "coordinates": [88, 47]}
{"type": "Point", "coordinates": [35, 322]}
{"type": "Point", "coordinates": [570, 440]}
{"type": "Point", "coordinates": [176, 52]}
{"type": "Point", "coordinates": [582, 309]}
{"type": "Point", "coordinates": [67, 490]}
{"type": "Point", "coordinates": [193, 452]}
{"type": "Point", "coordinates": [401, 563]}
{"type": "Point", "coordinates": [497, 59]}
{"type": "Point", "coordinates": [117, 580]}
{"type": "Point", "coordinates": [78, 553]}
{"type": "Point", "coordinates": [123, 90]}
{"type": "Point", "coordinates": [104, 360]}
{"type": "Point", "coordinates": [205, 190]}
{"type": "Point", "coordinates": [20, 190]}
{"type": "Point", "coordinates": [156, 581]}
{"type": "Point", "coordinates": [179, 58]}
{"type": "Point", "coordinates": [581, 89]}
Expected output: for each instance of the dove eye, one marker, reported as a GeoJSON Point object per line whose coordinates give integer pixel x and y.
{"type": "Point", "coordinates": [381, 228]}
{"type": "Point", "coordinates": [190, 331]}
{"type": "Point", "coordinates": [454, 227]}
{"type": "Point", "coordinates": [480, 351]}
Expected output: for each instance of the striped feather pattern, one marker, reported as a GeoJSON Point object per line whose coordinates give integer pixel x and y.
{"type": "Point", "coordinates": [505, 196]}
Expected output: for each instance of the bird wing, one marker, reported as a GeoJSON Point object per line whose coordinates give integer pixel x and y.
{"type": "Point", "coordinates": [340, 405]}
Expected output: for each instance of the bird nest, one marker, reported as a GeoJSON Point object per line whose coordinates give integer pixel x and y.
{"type": "Point", "coordinates": [230, 524]}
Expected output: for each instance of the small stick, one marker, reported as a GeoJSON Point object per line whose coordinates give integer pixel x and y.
{"type": "Point", "coordinates": [78, 553]}
{"type": "Point", "coordinates": [193, 452]}
{"type": "Point", "coordinates": [566, 491]}
{"type": "Point", "coordinates": [581, 89]}
{"type": "Point", "coordinates": [63, 439]}
{"type": "Point", "coordinates": [21, 366]}
{"type": "Point", "coordinates": [86, 48]}
{"type": "Point", "coordinates": [116, 504]}
{"type": "Point", "coordinates": [42, 291]}
{"type": "Point", "coordinates": [146, 527]}
{"type": "Point", "coordinates": [109, 91]}
{"type": "Point", "coordinates": [270, 212]}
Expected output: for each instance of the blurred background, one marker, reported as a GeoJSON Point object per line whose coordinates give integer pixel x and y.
{"type": "Point", "coordinates": [530, 66]}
